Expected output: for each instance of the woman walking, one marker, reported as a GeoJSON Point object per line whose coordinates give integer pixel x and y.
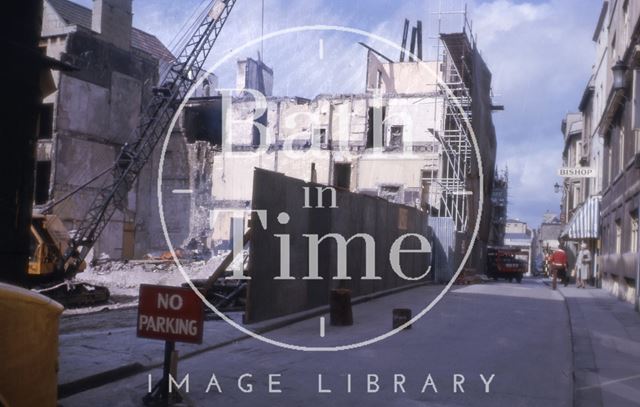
{"type": "Point", "coordinates": [583, 265]}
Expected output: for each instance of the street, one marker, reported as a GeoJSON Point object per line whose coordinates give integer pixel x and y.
{"type": "Point", "coordinates": [518, 332]}
{"type": "Point", "coordinates": [321, 203]}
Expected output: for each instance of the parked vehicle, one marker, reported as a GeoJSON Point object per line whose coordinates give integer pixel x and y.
{"type": "Point", "coordinates": [503, 263]}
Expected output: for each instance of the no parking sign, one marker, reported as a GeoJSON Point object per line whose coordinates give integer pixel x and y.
{"type": "Point", "coordinates": [173, 314]}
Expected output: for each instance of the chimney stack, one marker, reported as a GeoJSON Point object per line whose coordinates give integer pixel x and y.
{"type": "Point", "coordinates": [112, 19]}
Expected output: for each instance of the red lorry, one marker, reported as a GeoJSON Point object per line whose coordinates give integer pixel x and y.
{"type": "Point", "coordinates": [503, 263]}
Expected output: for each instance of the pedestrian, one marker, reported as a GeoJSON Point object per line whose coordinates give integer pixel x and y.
{"type": "Point", "coordinates": [558, 262]}
{"type": "Point", "coordinates": [583, 265]}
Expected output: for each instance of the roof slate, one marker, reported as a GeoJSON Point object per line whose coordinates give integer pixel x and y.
{"type": "Point", "coordinates": [75, 14]}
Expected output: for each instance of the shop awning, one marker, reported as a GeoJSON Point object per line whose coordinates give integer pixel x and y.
{"type": "Point", "coordinates": [585, 222]}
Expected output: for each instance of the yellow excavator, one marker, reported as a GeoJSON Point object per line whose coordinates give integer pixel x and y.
{"type": "Point", "coordinates": [49, 241]}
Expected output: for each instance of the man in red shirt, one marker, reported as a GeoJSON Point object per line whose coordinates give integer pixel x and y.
{"type": "Point", "coordinates": [558, 262]}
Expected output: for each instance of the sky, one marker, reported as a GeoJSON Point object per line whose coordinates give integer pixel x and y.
{"type": "Point", "coordinates": [540, 53]}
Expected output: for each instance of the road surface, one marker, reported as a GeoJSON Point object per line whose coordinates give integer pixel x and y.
{"type": "Point", "coordinates": [503, 344]}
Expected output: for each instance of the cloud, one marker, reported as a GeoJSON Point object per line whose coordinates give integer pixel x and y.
{"type": "Point", "coordinates": [531, 185]}
{"type": "Point", "coordinates": [501, 17]}
{"type": "Point", "coordinates": [541, 57]}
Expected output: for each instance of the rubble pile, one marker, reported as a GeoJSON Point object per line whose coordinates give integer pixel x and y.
{"type": "Point", "coordinates": [123, 278]}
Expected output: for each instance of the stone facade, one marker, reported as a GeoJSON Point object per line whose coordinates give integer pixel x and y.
{"type": "Point", "coordinates": [610, 143]}
{"type": "Point", "coordinates": [92, 115]}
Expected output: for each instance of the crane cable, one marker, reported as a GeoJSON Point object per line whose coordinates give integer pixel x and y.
{"type": "Point", "coordinates": [186, 30]}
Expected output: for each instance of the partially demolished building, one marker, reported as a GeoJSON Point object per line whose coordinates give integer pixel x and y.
{"type": "Point", "coordinates": [85, 123]}
{"type": "Point", "coordinates": [406, 138]}
{"type": "Point", "coordinates": [329, 140]}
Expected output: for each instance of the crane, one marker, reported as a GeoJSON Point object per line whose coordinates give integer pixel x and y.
{"type": "Point", "coordinates": [155, 120]}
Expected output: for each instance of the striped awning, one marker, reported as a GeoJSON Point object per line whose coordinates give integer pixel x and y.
{"type": "Point", "coordinates": [585, 222]}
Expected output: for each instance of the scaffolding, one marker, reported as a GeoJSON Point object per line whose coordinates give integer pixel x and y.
{"type": "Point", "coordinates": [448, 188]}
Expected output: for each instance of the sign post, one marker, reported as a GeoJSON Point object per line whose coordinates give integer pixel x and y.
{"type": "Point", "coordinates": [577, 172]}
{"type": "Point", "coordinates": [172, 314]}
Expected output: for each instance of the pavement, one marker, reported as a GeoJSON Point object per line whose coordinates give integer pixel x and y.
{"type": "Point", "coordinates": [606, 348]}
{"type": "Point", "coordinates": [509, 344]}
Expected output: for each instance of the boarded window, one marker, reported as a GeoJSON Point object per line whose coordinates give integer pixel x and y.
{"type": "Point", "coordinates": [375, 126]}
{"type": "Point", "coordinates": [203, 122]}
{"type": "Point", "coordinates": [342, 175]}
{"type": "Point", "coordinates": [428, 177]}
{"type": "Point", "coordinates": [46, 122]}
{"type": "Point", "coordinates": [395, 137]}
{"type": "Point", "coordinates": [320, 137]}
{"type": "Point", "coordinates": [128, 240]}
{"type": "Point", "coordinates": [43, 175]}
